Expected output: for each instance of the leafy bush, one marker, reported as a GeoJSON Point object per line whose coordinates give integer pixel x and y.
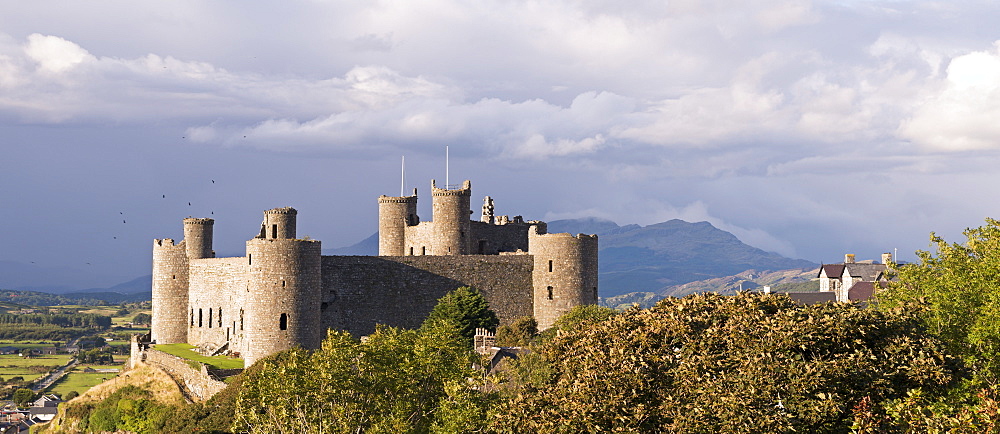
{"type": "Point", "coordinates": [745, 363]}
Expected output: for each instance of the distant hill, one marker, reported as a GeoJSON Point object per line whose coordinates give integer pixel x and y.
{"type": "Point", "coordinates": [653, 258]}
{"type": "Point", "coordinates": [365, 247]}
{"type": "Point", "coordinates": [794, 280]}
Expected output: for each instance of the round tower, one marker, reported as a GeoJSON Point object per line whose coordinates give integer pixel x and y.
{"type": "Point", "coordinates": [282, 304]}
{"type": "Point", "coordinates": [394, 215]}
{"type": "Point", "coordinates": [198, 237]}
{"type": "Point", "coordinates": [452, 221]}
{"type": "Point", "coordinates": [279, 223]}
{"type": "Point", "coordinates": [170, 292]}
{"type": "Point", "coordinates": [564, 275]}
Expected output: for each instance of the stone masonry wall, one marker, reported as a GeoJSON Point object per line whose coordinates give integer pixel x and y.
{"type": "Point", "coordinates": [362, 291]}
{"type": "Point", "coordinates": [197, 382]}
{"type": "Point", "coordinates": [490, 239]}
{"type": "Point", "coordinates": [217, 289]}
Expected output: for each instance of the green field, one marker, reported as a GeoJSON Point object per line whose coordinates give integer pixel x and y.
{"type": "Point", "coordinates": [81, 381]}
{"type": "Point", "coordinates": [14, 365]}
{"type": "Point", "coordinates": [185, 351]}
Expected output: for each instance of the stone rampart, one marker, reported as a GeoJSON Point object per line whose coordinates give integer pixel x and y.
{"type": "Point", "coordinates": [362, 291]}
{"type": "Point", "coordinates": [197, 381]}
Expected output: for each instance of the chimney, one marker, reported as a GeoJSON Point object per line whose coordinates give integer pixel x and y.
{"type": "Point", "coordinates": [849, 258]}
{"type": "Point", "coordinates": [886, 258]}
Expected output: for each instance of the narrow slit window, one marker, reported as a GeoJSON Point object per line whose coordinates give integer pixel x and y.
{"type": "Point", "coordinates": [283, 321]}
{"type": "Point", "coordinates": [423, 250]}
{"type": "Point", "coordinates": [200, 322]}
{"type": "Point", "coordinates": [411, 251]}
{"type": "Point", "coordinates": [241, 319]}
{"type": "Point", "coordinates": [209, 317]}
{"type": "Point", "coordinates": [192, 317]}
{"type": "Point", "coordinates": [249, 259]}
{"type": "Point", "coordinates": [282, 283]}
{"type": "Point", "coordinates": [220, 316]}
{"type": "Point", "coordinates": [550, 265]}
{"type": "Point", "coordinates": [550, 292]}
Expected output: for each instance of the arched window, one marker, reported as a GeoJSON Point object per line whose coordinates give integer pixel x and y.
{"type": "Point", "coordinates": [283, 321]}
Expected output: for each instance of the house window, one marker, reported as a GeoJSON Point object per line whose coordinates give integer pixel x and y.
{"type": "Point", "coordinates": [283, 321]}
{"type": "Point", "coordinates": [550, 292]}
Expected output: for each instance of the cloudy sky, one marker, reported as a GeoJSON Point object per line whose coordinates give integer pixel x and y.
{"type": "Point", "coordinates": [811, 129]}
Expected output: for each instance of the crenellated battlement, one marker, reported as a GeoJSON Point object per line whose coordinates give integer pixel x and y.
{"type": "Point", "coordinates": [199, 221]}
{"type": "Point", "coordinates": [285, 210]}
{"type": "Point", "coordinates": [391, 199]}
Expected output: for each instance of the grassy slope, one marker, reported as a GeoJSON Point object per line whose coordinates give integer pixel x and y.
{"type": "Point", "coordinates": [186, 351]}
{"type": "Point", "coordinates": [164, 390]}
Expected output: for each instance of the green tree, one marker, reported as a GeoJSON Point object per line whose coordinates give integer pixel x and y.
{"type": "Point", "coordinates": [467, 308]}
{"type": "Point", "coordinates": [958, 292]}
{"type": "Point", "coordinates": [518, 333]}
{"type": "Point", "coordinates": [395, 380]}
{"type": "Point", "coordinates": [142, 318]}
{"type": "Point", "coordinates": [23, 397]}
{"type": "Point", "coordinates": [744, 363]}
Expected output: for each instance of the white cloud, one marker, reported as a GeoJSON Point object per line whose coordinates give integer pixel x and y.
{"type": "Point", "coordinates": [960, 113]}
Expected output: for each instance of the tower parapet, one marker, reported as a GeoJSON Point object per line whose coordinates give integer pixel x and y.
{"type": "Point", "coordinates": [395, 214]}
{"type": "Point", "coordinates": [170, 291]}
{"type": "Point", "coordinates": [452, 219]}
{"type": "Point", "coordinates": [198, 237]}
{"type": "Point", "coordinates": [564, 274]}
{"type": "Point", "coordinates": [282, 304]}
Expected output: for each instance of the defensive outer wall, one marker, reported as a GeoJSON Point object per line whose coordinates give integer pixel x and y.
{"type": "Point", "coordinates": [284, 293]}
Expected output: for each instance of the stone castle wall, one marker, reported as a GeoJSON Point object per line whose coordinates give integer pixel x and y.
{"type": "Point", "coordinates": [197, 382]}
{"type": "Point", "coordinates": [361, 291]}
{"type": "Point", "coordinates": [491, 239]}
{"type": "Point", "coordinates": [215, 299]}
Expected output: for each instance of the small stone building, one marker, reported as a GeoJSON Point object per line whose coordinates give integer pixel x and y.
{"type": "Point", "coordinates": [285, 293]}
{"type": "Point", "coordinates": [852, 281]}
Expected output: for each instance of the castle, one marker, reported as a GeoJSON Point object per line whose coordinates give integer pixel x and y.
{"type": "Point", "coordinates": [285, 293]}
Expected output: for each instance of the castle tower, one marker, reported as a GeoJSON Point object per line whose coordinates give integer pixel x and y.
{"type": "Point", "coordinates": [452, 222]}
{"type": "Point", "coordinates": [198, 237]}
{"type": "Point", "coordinates": [279, 223]}
{"type": "Point", "coordinates": [282, 304]}
{"type": "Point", "coordinates": [394, 215]}
{"type": "Point", "coordinates": [170, 292]}
{"type": "Point", "coordinates": [564, 274]}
